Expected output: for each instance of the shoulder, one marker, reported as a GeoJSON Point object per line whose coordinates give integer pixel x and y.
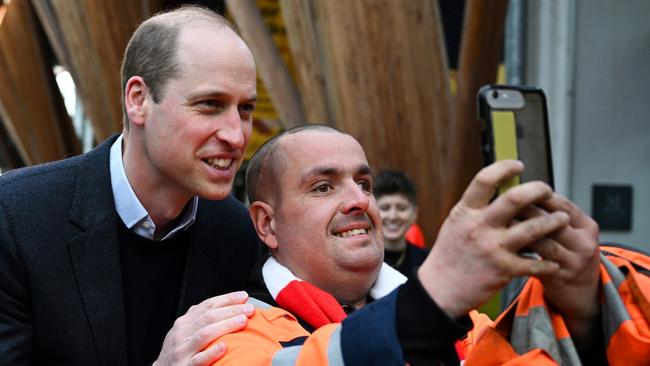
{"type": "Point", "coordinates": [226, 213]}
{"type": "Point", "coordinates": [228, 220]}
{"type": "Point", "coordinates": [267, 332]}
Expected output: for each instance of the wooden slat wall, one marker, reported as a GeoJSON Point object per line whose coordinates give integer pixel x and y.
{"type": "Point", "coordinates": [90, 37]}
{"type": "Point", "coordinates": [385, 77]}
{"type": "Point", "coordinates": [271, 68]}
{"type": "Point", "coordinates": [30, 104]}
{"type": "Point", "coordinates": [304, 43]}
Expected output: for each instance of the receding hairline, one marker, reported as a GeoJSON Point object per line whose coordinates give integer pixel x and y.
{"type": "Point", "coordinates": [266, 162]}
{"type": "Point", "coordinates": [187, 14]}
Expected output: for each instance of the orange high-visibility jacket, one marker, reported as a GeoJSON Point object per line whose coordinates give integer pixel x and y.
{"type": "Point", "coordinates": [537, 335]}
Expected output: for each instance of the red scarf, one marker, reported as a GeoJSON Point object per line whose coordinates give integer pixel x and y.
{"type": "Point", "coordinates": [310, 303]}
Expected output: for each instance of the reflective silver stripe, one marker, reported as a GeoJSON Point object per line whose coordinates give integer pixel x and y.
{"type": "Point", "coordinates": [289, 355]}
{"type": "Point", "coordinates": [614, 311]}
{"type": "Point", "coordinates": [334, 351]}
{"type": "Point", "coordinates": [536, 331]}
{"type": "Point", "coordinates": [258, 304]}
{"type": "Point", "coordinates": [286, 356]}
{"type": "Point", "coordinates": [617, 276]}
{"type": "Point", "coordinates": [569, 352]}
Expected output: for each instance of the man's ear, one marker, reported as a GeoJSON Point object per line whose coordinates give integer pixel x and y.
{"type": "Point", "coordinates": [264, 222]}
{"type": "Point", "coordinates": [135, 99]}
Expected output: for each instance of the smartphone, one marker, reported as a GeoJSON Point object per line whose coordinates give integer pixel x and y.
{"type": "Point", "coordinates": [515, 126]}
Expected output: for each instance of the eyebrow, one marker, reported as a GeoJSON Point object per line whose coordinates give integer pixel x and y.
{"type": "Point", "coordinates": [362, 169]}
{"type": "Point", "coordinates": [217, 94]}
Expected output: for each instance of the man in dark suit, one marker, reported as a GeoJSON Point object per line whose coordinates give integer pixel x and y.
{"type": "Point", "coordinates": [101, 253]}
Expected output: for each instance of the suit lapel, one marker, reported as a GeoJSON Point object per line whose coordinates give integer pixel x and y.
{"type": "Point", "coordinates": [95, 259]}
{"type": "Point", "coordinates": [95, 256]}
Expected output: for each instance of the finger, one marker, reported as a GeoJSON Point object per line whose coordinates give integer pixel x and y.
{"type": "Point", "coordinates": [531, 211]}
{"type": "Point", "coordinates": [232, 298]}
{"type": "Point", "coordinates": [223, 313]}
{"type": "Point", "coordinates": [481, 189]}
{"type": "Point", "coordinates": [522, 266]}
{"type": "Point", "coordinates": [550, 249]}
{"type": "Point", "coordinates": [208, 334]}
{"type": "Point", "coordinates": [211, 354]}
{"type": "Point", "coordinates": [559, 203]}
{"type": "Point", "coordinates": [515, 201]}
{"type": "Point", "coordinates": [527, 232]}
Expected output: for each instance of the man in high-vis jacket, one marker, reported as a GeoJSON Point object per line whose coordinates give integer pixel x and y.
{"type": "Point", "coordinates": [326, 298]}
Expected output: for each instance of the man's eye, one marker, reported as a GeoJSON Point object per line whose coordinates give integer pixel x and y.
{"type": "Point", "coordinates": [209, 104]}
{"type": "Point", "coordinates": [247, 108]}
{"type": "Point", "coordinates": [323, 188]}
{"type": "Point", "coordinates": [365, 186]}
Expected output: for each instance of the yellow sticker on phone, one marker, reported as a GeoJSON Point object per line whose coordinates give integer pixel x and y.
{"type": "Point", "coordinates": [504, 132]}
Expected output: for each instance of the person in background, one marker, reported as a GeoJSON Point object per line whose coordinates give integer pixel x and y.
{"type": "Point", "coordinates": [117, 256]}
{"type": "Point", "coordinates": [397, 201]}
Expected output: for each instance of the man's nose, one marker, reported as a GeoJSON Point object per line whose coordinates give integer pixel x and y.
{"type": "Point", "coordinates": [231, 130]}
{"type": "Point", "coordinates": [356, 200]}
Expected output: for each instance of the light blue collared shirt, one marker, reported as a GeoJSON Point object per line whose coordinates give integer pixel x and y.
{"type": "Point", "coordinates": [128, 206]}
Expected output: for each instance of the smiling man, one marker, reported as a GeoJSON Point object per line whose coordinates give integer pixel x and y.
{"type": "Point", "coordinates": [311, 198]}
{"type": "Point", "coordinates": [102, 255]}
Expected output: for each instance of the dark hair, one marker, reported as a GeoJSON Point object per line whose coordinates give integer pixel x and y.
{"type": "Point", "coordinates": [263, 156]}
{"type": "Point", "coordinates": [151, 51]}
{"type": "Point", "coordinates": [391, 181]}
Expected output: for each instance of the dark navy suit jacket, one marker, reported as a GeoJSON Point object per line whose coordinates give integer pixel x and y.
{"type": "Point", "coordinates": [61, 296]}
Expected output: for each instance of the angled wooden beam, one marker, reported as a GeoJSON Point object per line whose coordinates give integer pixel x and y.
{"type": "Point", "coordinates": [304, 45]}
{"type": "Point", "coordinates": [89, 38]}
{"type": "Point", "coordinates": [31, 106]}
{"type": "Point", "coordinates": [480, 54]}
{"type": "Point", "coordinates": [272, 69]}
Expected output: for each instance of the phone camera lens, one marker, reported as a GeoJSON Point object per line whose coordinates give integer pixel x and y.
{"type": "Point", "coordinates": [495, 94]}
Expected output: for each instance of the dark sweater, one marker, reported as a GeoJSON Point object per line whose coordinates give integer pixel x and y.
{"type": "Point", "coordinates": [152, 274]}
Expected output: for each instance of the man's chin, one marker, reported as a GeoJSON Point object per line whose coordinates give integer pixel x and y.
{"type": "Point", "coordinates": [364, 262]}
{"type": "Point", "coordinates": [216, 193]}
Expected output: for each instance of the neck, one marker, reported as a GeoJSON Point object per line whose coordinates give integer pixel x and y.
{"type": "Point", "coordinates": [350, 288]}
{"type": "Point", "coordinates": [346, 286]}
{"type": "Point", "coordinates": [162, 202]}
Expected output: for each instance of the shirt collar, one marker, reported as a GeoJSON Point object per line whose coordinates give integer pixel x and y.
{"type": "Point", "coordinates": [134, 216]}
{"type": "Point", "coordinates": [276, 277]}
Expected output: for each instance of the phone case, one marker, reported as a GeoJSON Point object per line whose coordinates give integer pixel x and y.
{"type": "Point", "coordinates": [517, 132]}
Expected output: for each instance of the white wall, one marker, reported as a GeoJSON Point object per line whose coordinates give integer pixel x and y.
{"type": "Point", "coordinates": [593, 59]}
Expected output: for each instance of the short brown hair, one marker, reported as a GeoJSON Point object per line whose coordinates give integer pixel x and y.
{"type": "Point", "coordinates": [151, 51]}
